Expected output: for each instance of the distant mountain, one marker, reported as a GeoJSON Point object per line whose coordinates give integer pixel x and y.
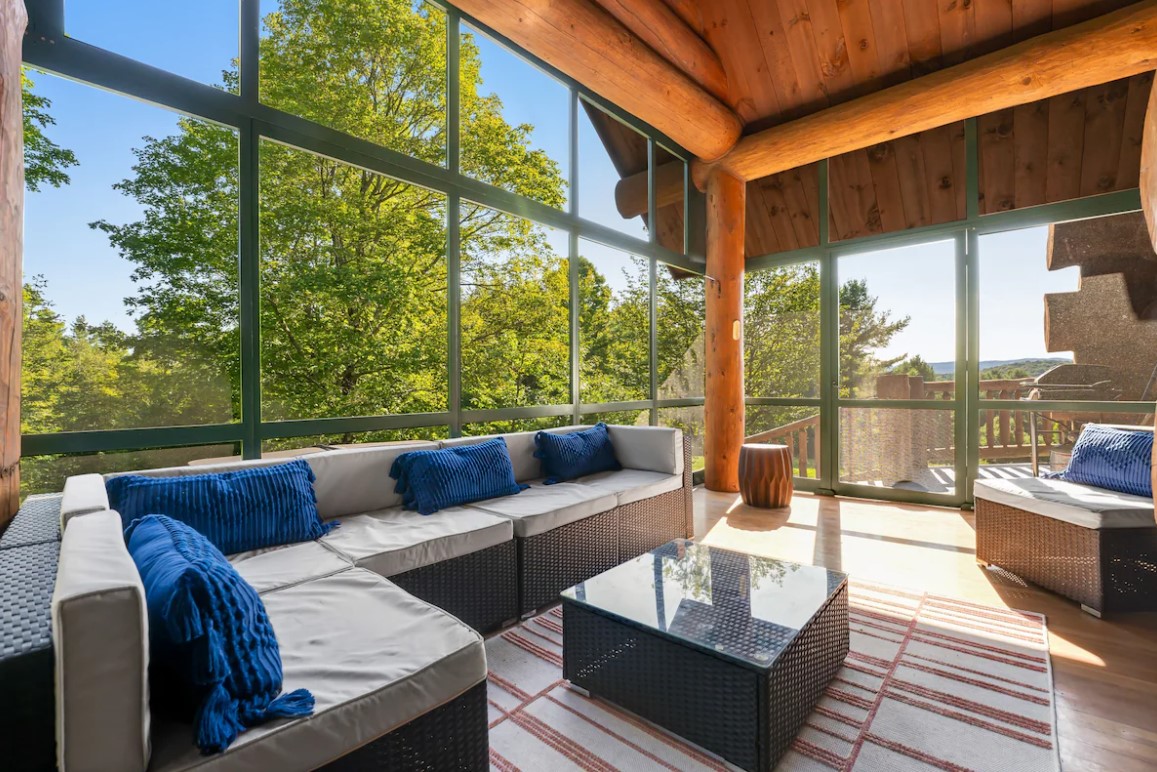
{"type": "Point", "coordinates": [1033, 367]}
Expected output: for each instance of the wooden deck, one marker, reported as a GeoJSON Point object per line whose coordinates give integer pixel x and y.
{"type": "Point", "coordinates": [1105, 669]}
{"type": "Point", "coordinates": [942, 479]}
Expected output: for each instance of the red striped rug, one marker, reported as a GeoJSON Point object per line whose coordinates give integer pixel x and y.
{"type": "Point", "coordinates": [931, 683]}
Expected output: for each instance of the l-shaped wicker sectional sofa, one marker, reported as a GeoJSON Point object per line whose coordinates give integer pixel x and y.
{"type": "Point", "coordinates": [381, 618]}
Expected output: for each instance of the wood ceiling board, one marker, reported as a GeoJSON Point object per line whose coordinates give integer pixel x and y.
{"type": "Point", "coordinates": [921, 19]}
{"type": "Point", "coordinates": [860, 42]}
{"type": "Point", "coordinates": [780, 68]}
{"type": "Point", "coordinates": [1104, 121]}
{"type": "Point", "coordinates": [994, 28]}
{"type": "Point", "coordinates": [891, 34]}
{"type": "Point", "coordinates": [732, 32]}
{"type": "Point", "coordinates": [1032, 17]}
{"type": "Point", "coordinates": [885, 176]}
{"type": "Point", "coordinates": [852, 187]}
{"type": "Point", "coordinates": [1067, 143]}
{"type": "Point", "coordinates": [957, 19]}
{"type": "Point", "coordinates": [804, 50]}
{"type": "Point", "coordinates": [840, 82]}
{"type": "Point", "coordinates": [803, 202]}
{"type": "Point", "coordinates": [913, 180]}
{"type": "Point", "coordinates": [997, 172]}
{"type": "Point", "coordinates": [1129, 168]}
{"type": "Point", "coordinates": [1030, 140]}
{"type": "Point", "coordinates": [776, 210]}
{"type": "Point", "coordinates": [940, 179]}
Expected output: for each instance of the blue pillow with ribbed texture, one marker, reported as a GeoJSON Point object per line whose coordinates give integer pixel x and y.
{"type": "Point", "coordinates": [237, 511]}
{"type": "Point", "coordinates": [1116, 459]}
{"type": "Point", "coordinates": [430, 480]}
{"type": "Point", "coordinates": [213, 655]}
{"type": "Point", "coordinates": [575, 454]}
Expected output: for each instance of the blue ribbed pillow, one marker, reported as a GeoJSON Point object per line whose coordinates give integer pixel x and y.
{"type": "Point", "coordinates": [1116, 459]}
{"type": "Point", "coordinates": [237, 511]}
{"type": "Point", "coordinates": [213, 656]}
{"type": "Point", "coordinates": [430, 480]}
{"type": "Point", "coordinates": [575, 454]}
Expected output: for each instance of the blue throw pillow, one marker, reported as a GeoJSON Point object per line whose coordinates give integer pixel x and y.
{"type": "Point", "coordinates": [237, 511]}
{"type": "Point", "coordinates": [430, 480]}
{"type": "Point", "coordinates": [213, 654]}
{"type": "Point", "coordinates": [1116, 459]}
{"type": "Point", "coordinates": [575, 454]}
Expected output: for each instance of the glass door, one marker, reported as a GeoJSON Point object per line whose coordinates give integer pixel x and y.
{"type": "Point", "coordinates": [897, 380]}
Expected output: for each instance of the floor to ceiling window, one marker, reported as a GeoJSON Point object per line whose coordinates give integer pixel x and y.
{"type": "Point", "coordinates": [250, 254]}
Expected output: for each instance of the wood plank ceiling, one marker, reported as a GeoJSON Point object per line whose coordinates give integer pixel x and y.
{"type": "Point", "coordinates": [788, 58]}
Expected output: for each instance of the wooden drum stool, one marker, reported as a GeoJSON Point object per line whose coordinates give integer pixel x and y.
{"type": "Point", "coordinates": [765, 475]}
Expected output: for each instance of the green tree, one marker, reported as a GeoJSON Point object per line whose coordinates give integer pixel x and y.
{"type": "Point", "coordinates": [45, 161]}
{"type": "Point", "coordinates": [353, 264]}
{"type": "Point", "coordinates": [915, 365]}
{"type": "Point", "coordinates": [863, 331]}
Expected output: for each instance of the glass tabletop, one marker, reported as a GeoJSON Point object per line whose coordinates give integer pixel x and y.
{"type": "Point", "coordinates": [741, 607]}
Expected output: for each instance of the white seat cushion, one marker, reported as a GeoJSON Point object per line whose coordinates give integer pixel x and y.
{"type": "Point", "coordinates": [272, 568]}
{"type": "Point", "coordinates": [1081, 505]}
{"type": "Point", "coordinates": [650, 448]}
{"type": "Point", "coordinates": [631, 485]}
{"type": "Point", "coordinates": [541, 508]}
{"type": "Point", "coordinates": [395, 540]}
{"type": "Point", "coordinates": [374, 657]}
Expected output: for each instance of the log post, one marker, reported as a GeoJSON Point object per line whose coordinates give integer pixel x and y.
{"type": "Point", "coordinates": [13, 20]}
{"type": "Point", "coordinates": [1148, 183]}
{"type": "Point", "coordinates": [723, 408]}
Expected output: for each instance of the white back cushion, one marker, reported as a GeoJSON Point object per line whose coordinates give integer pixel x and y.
{"type": "Point", "coordinates": [349, 481]}
{"type": "Point", "coordinates": [650, 448]}
{"type": "Point", "coordinates": [100, 635]}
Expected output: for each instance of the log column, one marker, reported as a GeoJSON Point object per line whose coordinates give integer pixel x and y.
{"type": "Point", "coordinates": [12, 22]}
{"type": "Point", "coordinates": [723, 409]}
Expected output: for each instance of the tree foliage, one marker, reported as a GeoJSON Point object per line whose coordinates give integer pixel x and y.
{"type": "Point", "coordinates": [45, 162]}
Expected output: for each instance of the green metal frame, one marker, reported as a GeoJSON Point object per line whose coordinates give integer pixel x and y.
{"type": "Point", "coordinates": [967, 404]}
{"type": "Point", "coordinates": [46, 47]}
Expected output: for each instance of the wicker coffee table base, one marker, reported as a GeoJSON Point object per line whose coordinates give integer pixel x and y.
{"type": "Point", "coordinates": [746, 717]}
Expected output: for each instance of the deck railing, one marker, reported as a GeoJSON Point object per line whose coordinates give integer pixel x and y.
{"type": "Point", "coordinates": [1004, 434]}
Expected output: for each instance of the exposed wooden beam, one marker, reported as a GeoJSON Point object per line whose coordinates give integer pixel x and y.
{"type": "Point", "coordinates": [661, 28]}
{"type": "Point", "coordinates": [589, 45]}
{"type": "Point", "coordinates": [13, 20]}
{"type": "Point", "coordinates": [1148, 181]}
{"type": "Point", "coordinates": [1116, 45]}
{"type": "Point", "coordinates": [723, 410]}
{"type": "Point", "coordinates": [631, 191]}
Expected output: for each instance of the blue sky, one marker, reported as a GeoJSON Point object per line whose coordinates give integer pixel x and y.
{"type": "Point", "coordinates": [198, 40]}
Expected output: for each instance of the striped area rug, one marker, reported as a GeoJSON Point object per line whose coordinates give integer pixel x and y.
{"type": "Point", "coordinates": [931, 683]}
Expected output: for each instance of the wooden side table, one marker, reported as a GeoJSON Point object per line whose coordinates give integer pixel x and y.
{"type": "Point", "coordinates": [765, 478]}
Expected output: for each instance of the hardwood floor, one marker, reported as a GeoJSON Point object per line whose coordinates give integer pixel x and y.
{"type": "Point", "coordinates": [1105, 669]}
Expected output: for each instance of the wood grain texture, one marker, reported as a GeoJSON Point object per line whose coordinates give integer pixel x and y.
{"type": "Point", "coordinates": [1104, 670]}
{"type": "Point", "coordinates": [660, 27]}
{"type": "Point", "coordinates": [589, 45]}
{"type": "Point", "coordinates": [13, 20]}
{"type": "Point", "coordinates": [723, 403]}
{"type": "Point", "coordinates": [1148, 173]}
{"type": "Point", "coordinates": [1116, 45]}
{"type": "Point", "coordinates": [765, 475]}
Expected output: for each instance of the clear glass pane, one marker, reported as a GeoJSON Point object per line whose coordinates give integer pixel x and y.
{"type": "Point", "coordinates": [515, 312]}
{"type": "Point", "coordinates": [908, 449]}
{"type": "Point", "coordinates": [681, 335]}
{"type": "Point", "coordinates": [130, 260]}
{"type": "Point", "coordinates": [608, 152]}
{"type": "Point", "coordinates": [353, 290]}
{"type": "Point", "coordinates": [46, 474]}
{"type": "Point", "coordinates": [515, 122]}
{"type": "Point", "coordinates": [614, 339]}
{"type": "Point", "coordinates": [898, 322]}
{"type": "Point", "coordinates": [1069, 311]}
{"type": "Point", "coordinates": [796, 427]}
{"type": "Point", "coordinates": [781, 332]}
{"type": "Point", "coordinates": [1007, 442]}
{"type": "Point", "coordinates": [198, 40]}
{"type": "Point", "coordinates": [376, 71]}
{"type": "Point", "coordinates": [691, 421]}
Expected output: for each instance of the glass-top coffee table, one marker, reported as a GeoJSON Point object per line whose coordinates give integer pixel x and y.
{"type": "Point", "coordinates": [728, 651]}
